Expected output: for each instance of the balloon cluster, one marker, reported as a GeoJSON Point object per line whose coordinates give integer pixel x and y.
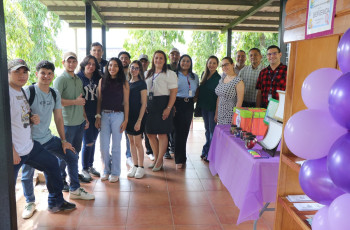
{"type": "Point", "coordinates": [320, 134]}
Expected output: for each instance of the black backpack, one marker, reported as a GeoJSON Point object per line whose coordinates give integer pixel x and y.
{"type": "Point", "coordinates": [32, 94]}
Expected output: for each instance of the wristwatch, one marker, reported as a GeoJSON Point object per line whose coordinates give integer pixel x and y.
{"type": "Point", "coordinates": [98, 116]}
{"type": "Point", "coordinates": [64, 141]}
{"type": "Point", "coordinates": [168, 107]}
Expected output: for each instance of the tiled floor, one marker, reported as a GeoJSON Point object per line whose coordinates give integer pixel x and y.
{"type": "Point", "coordinates": [184, 199]}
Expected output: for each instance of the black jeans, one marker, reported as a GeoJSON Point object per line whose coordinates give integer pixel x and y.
{"type": "Point", "coordinates": [182, 122]}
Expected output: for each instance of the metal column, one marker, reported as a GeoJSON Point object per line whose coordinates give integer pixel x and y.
{"type": "Point", "coordinates": [103, 30]}
{"type": "Point", "coordinates": [88, 27]}
{"type": "Point", "coordinates": [8, 216]}
{"type": "Point", "coordinates": [229, 42]}
{"type": "Point", "coordinates": [283, 46]}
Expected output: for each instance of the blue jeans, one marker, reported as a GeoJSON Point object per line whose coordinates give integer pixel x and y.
{"type": "Point", "coordinates": [127, 153]}
{"type": "Point", "coordinates": [89, 137]}
{"type": "Point", "coordinates": [209, 124]}
{"type": "Point", "coordinates": [74, 135]}
{"type": "Point", "coordinates": [53, 146]}
{"type": "Point", "coordinates": [110, 125]}
{"type": "Point", "coordinates": [40, 159]}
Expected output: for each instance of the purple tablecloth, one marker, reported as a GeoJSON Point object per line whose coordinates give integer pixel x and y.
{"type": "Point", "coordinates": [249, 181]}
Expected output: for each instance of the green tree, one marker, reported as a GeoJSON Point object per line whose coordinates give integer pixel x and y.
{"type": "Point", "coordinates": [30, 33]}
{"type": "Point", "coordinates": [247, 40]}
{"type": "Point", "coordinates": [148, 41]}
{"type": "Point", "coordinates": [203, 45]}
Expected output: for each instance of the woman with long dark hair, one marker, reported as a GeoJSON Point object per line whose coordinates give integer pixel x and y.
{"type": "Point", "coordinates": [187, 85]}
{"type": "Point", "coordinates": [230, 91]}
{"type": "Point", "coordinates": [136, 122]}
{"type": "Point", "coordinates": [112, 116]}
{"type": "Point", "coordinates": [161, 89]}
{"type": "Point", "coordinates": [207, 100]}
{"type": "Point", "coordinates": [90, 76]}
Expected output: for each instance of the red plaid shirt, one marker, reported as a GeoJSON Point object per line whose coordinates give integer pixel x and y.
{"type": "Point", "coordinates": [278, 78]}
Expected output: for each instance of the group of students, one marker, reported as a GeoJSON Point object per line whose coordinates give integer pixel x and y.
{"type": "Point", "coordinates": [110, 97]}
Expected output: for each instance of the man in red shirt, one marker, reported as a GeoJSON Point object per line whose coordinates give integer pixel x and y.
{"type": "Point", "coordinates": [272, 78]}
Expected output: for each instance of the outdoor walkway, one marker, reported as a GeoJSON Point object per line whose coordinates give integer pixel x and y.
{"type": "Point", "coordinates": [184, 199]}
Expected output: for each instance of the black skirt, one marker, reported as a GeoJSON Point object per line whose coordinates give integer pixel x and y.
{"type": "Point", "coordinates": [133, 118]}
{"type": "Point", "coordinates": [154, 123]}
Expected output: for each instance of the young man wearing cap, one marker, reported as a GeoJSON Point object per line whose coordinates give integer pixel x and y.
{"type": "Point", "coordinates": [143, 58]}
{"type": "Point", "coordinates": [26, 150]}
{"type": "Point", "coordinates": [174, 57]}
{"type": "Point", "coordinates": [70, 87]}
{"type": "Point", "coordinates": [96, 50]}
{"type": "Point", "coordinates": [44, 101]}
{"type": "Point", "coordinates": [144, 61]}
{"type": "Point", "coordinates": [125, 59]}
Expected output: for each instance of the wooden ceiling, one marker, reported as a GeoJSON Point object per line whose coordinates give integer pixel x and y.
{"type": "Point", "coordinates": [238, 15]}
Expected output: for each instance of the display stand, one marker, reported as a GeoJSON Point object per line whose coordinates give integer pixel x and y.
{"type": "Point", "coordinates": [305, 56]}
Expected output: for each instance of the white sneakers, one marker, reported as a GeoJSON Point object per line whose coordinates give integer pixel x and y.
{"type": "Point", "coordinates": [132, 172]}
{"type": "Point", "coordinates": [29, 210]}
{"type": "Point", "coordinates": [104, 176]}
{"type": "Point", "coordinates": [113, 179]}
{"type": "Point", "coordinates": [81, 194]}
{"type": "Point", "coordinates": [151, 157]}
{"type": "Point", "coordinates": [129, 162]}
{"type": "Point", "coordinates": [110, 178]}
{"type": "Point", "coordinates": [140, 172]}
{"type": "Point", "coordinates": [136, 172]}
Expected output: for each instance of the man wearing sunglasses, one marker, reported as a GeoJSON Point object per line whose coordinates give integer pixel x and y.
{"type": "Point", "coordinates": [272, 78]}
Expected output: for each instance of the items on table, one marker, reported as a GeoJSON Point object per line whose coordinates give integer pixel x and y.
{"type": "Point", "coordinates": [250, 120]}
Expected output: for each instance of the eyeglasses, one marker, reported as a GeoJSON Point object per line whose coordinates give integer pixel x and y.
{"type": "Point", "coordinates": [135, 68]}
{"type": "Point", "coordinates": [272, 54]}
{"type": "Point", "coordinates": [224, 65]}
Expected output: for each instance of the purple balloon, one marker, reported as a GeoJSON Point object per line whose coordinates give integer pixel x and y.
{"type": "Point", "coordinates": [339, 105]}
{"type": "Point", "coordinates": [339, 162]}
{"type": "Point", "coordinates": [310, 133]}
{"type": "Point", "coordinates": [316, 87]}
{"type": "Point", "coordinates": [316, 182]}
{"type": "Point", "coordinates": [320, 220]}
{"type": "Point", "coordinates": [338, 213]}
{"type": "Point", "coordinates": [343, 52]}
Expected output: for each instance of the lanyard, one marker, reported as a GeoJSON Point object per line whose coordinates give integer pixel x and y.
{"type": "Point", "coordinates": [153, 78]}
{"type": "Point", "coordinates": [272, 79]}
{"type": "Point", "coordinates": [188, 82]}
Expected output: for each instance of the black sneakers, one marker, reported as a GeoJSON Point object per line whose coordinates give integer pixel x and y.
{"type": "Point", "coordinates": [94, 172]}
{"type": "Point", "coordinates": [167, 155]}
{"type": "Point", "coordinates": [65, 206]}
{"type": "Point", "coordinates": [83, 179]}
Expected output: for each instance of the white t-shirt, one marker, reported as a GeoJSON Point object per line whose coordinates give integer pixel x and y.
{"type": "Point", "coordinates": [162, 83]}
{"type": "Point", "coordinates": [20, 123]}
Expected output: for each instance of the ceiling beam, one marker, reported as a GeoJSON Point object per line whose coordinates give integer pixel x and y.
{"type": "Point", "coordinates": [136, 10]}
{"type": "Point", "coordinates": [96, 12]}
{"type": "Point", "coordinates": [151, 26]}
{"type": "Point", "coordinates": [198, 2]}
{"type": "Point", "coordinates": [169, 19]}
{"type": "Point", "coordinates": [248, 13]}
{"type": "Point", "coordinates": [178, 27]}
